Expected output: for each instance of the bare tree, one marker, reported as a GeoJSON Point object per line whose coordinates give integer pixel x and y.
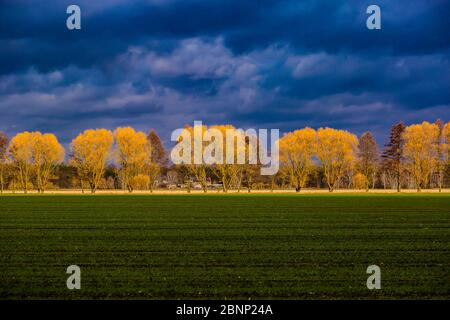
{"type": "Point", "coordinates": [368, 156]}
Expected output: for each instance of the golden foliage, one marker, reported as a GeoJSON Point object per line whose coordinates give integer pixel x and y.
{"type": "Point", "coordinates": [34, 153]}
{"type": "Point", "coordinates": [197, 147]}
{"type": "Point", "coordinates": [90, 151]}
{"type": "Point", "coordinates": [140, 182]}
{"type": "Point", "coordinates": [446, 143]}
{"type": "Point", "coordinates": [360, 181]}
{"type": "Point", "coordinates": [297, 150]}
{"type": "Point", "coordinates": [420, 151]}
{"type": "Point", "coordinates": [20, 148]}
{"type": "Point", "coordinates": [336, 150]}
{"type": "Point", "coordinates": [132, 154]}
{"type": "Point", "coordinates": [227, 172]}
{"type": "Point", "coordinates": [47, 152]}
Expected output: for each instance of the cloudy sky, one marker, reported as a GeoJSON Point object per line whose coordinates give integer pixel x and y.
{"type": "Point", "coordinates": [262, 64]}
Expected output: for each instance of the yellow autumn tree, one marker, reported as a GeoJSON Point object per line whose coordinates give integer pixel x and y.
{"type": "Point", "coordinates": [35, 155]}
{"type": "Point", "coordinates": [336, 151]}
{"type": "Point", "coordinates": [90, 152]}
{"type": "Point", "coordinates": [228, 150]}
{"type": "Point", "coordinates": [360, 181]}
{"type": "Point", "coordinates": [446, 143]}
{"type": "Point", "coordinates": [140, 182]}
{"type": "Point", "coordinates": [198, 170]}
{"type": "Point", "coordinates": [227, 170]}
{"type": "Point", "coordinates": [246, 165]}
{"type": "Point", "coordinates": [420, 152]}
{"type": "Point", "coordinates": [445, 147]}
{"type": "Point", "coordinates": [297, 150]}
{"type": "Point", "coordinates": [46, 153]}
{"type": "Point", "coordinates": [132, 154]}
{"type": "Point", "coordinates": [21, 150]}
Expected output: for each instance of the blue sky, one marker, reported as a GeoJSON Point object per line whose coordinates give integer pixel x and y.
{"type": "Point", "coordinates": [263, 64]}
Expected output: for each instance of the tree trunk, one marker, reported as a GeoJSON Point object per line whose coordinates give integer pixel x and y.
{"type": "Point", "coordinates": [239, 183]}
{"type": "Point", "coordinates": [188, 186]}
{"type": "Point", "coordinates": [25, 183]}
{"type": "Point", "coordinates": [1, 180]}
{"type": "Point", "coordinates": [93, 189]}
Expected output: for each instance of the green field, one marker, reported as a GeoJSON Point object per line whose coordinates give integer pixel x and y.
{"type": "Point", "coordinates": [225, 246]}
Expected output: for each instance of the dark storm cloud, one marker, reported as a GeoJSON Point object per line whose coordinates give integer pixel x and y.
{"type": "Point", "coordinates": [267, 63]}
{"type": "Point", "coordinates": [35, 34]}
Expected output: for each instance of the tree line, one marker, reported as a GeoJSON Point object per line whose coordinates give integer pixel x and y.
{"type": "Point", "coordinates": [416, 156]}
